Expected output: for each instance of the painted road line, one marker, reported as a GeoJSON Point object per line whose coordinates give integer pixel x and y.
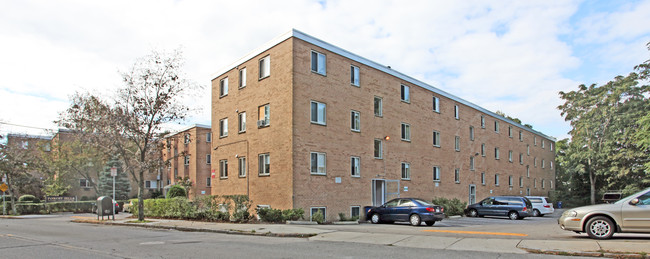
{"type": "Point", "coordinates": [476, 232]}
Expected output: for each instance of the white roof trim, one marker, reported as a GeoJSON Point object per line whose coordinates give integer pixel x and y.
{"type": "Point", "coordinates": [315, 41]}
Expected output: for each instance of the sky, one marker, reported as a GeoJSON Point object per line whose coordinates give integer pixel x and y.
{"type": "Point", "coordinates": [510, 56]}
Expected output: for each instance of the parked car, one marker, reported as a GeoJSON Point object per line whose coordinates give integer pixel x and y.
{"type": "Point", "coordinates": [628, 215]}
{"type": "Point", "coordinates": [541, 206]}
{"type": "Point", "coordinates": [513, 207]}
{"type": "Point", "coordinates": [412, 210]}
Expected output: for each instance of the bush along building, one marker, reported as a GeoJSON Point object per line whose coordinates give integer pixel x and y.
{"type": "Point", "coordinates": [300, 123]}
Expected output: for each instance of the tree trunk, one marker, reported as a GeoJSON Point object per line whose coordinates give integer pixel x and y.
{"type": "Point", "coordinates": [592, 182]}
{"type": "Point", "coordinates": [11, 193]}
{"type": "Point", "coordinates": [140, 198]}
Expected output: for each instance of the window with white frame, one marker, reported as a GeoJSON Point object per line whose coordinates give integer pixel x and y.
{"type": "Point", "coordinates": [496, 153]}
{"type": "Point", "coordinates": [510, 181]}
{"type": "Point", "coordinates": [378, 148]}
{"type": "Point", "coordinates": [543, 184]}
{"type": "Point", "coordinates": [265, 67]}
{"type": "Point", "coordinates": [527, 171]}
{"type": "Point", "coordinates": [510, 156]}
{"type": "Point", "coordinates": [186, 160]}
{"type": "Point", "coordinates": [318, 113]}
{"type": "Point", "coordinates": [496, 126]}
{"type": "Point", "coordinates": [264, 116]}
{"type": "Point", "coordinates": [535, 183]}
{"type": "Point", "coordinates": [264, 164]}
{"type": "Point", "coordinates": [551, 144]}
{"type": "Point", "coordinates": [436, 104]}
{"type": "Point", "coordinates": [482, 149]}
{"type": "Point", "coordinates": [242, 122]}
{"type": "Point", "coordinates": [496, 179]}
{"type": "Point", "coordinates": [355, 166]}
{"type": "Point", "coordinates": [208, 159]}
{"type": "Point", "coordinates": [510, 131]}
{"type": "Point", "coordinates": [378, 106]}
{"type": "Point", "coordinates": [355, 121]}
{"type": "Point", "coordinates": [456, 112]}
{"type": "Point", "coordinates": [406, 171]}
{"type": "Point", "coordinates": [457, 143]}
{"type": "Point", "coordinates": [318, 63]}
{"type": "Point", "coordinates": [223, 87]}
{"type": "Point", "coordinates": [535, 140]}
{"type": "Point", "coordinates": [535, 162]}
{"type": "Point", "coordinates": [242, 78]}
{"type": "Point", "coordinates": [354, 76]}
{"type": "Point", "coordinates": [405, 94]}
{"type": "Point", "coordinates": [471, 163]}
{"type": "Point", "coordinates": [223, 127]}
{"type": "Point", "coordinates": [208, 137]}
{"type": "Point", "coordinates": [355, 212]}
{"type": "Point", "coordinates": [208, 181]}
{"type": "Point", "coordinates": [482, 122]}
{"type": "Point", "coordinates": [436, 174]}
{"type": "Point", "coordinates": [457, 175]}
{"type": "Point", "coordinates": [521, 181]}
{"type": "Point", "coordinates": [543, 163]}
{"type": "Point", "coordinates": [223, 168]}
{"type": "Point", "coordinates": [483, 178]}
{"type": "Point", "coordinates": [543, 143]}
{"type": "Point", "coordinates": [318, 163]}
{"type": "Point", "coordinates": [551, 164]}
{"type": "Point", "coordinates": [150, 184]}
{"type": "Point", "coordinates": [527, 149]}
{"type": "Point", "coordinates": [242, 166]}
{"type": "Point", "coordinates": [436, 139]}
{"type": "Point", "coordinates": [521, 136]}
{"type": "Point", "coordinates": [84, 183]}
{"type": "Point", "coordinates": [315, 210]}
{"type": "Point", "coordinates": [471, 133]}
{"type": "Point", "coordinates": [406, 132]}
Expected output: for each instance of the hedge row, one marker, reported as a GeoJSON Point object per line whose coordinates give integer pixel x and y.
{"type": "Point", "coordinates": [208, 208]}
{"type": "Point", "coordinates": [53, 207]}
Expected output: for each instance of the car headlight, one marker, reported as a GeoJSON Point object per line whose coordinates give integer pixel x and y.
{"type": "Point", "coordinates": [572, 213]}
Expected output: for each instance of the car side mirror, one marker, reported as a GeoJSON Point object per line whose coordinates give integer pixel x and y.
{"type": "Point", "coordinates": [634, 201]}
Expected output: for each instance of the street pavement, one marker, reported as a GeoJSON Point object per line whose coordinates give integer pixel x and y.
{"type": "Point", "coordinates": [531, 235]}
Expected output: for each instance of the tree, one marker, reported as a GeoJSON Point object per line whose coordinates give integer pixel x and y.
{"type": "Point", "coordinates": [15, 164]}
{"type": "Point", "coordinates": [131, 126]}
{"type": "Point", "coordinates": [122, 184]}
{"type": "Point", "coordinates": [517, 120]}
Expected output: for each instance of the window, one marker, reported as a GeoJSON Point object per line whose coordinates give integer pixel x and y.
{"type": "Point", "coordinates": [535, 161]}
{"type": "Point", "coordinates": [483, 178]}
{"type": "Point", "coordinates": [208, 137]}
{"type": "Point", "coordinates": [264, 116]}
{"type": "Point", "coordinates": [355, 121]}
{"type": "Point", "coordinates": [223, 168]}
{"type": "Point", "coordinates": [242, 78]}
{"type": "Point", "coordinates": [208, 159]}
{"type": "Point", "coordinates": [355, 211]}
{"type": "Point", "coordinates": [436, 104]}
{"type": "Point", "coordinates": [265, 67]}
{"type": "Point", "coordinates": [457, 175]}
{"type": "Point", "coordinates": [242, 166]}
{"type": "Point", "coordinates": [168, 144]}
{"type": "Point", "coordinates": [436, 139]}
{"type": "Point", "coordinates": [264, 164]}
{"type": "Point", "coordinates": [496, 126]}
{"type": "Point", "coordinates": [318, 113]}
{"type": "Point", "coordinates": [543, 143]}
{"type": "Point", "coordinates": [242, 122]}
{"type": "Point", "coordinates": [510, 181]}
{"type": "Point", "coordinates": [354, 75]}
{"type": "Point", "coordinates": [528, 149]}
{"type": "Point", "coordinates": [521, 182]}
{"type": "Point", "coordinates": [186, 139]}
{"type": "Point", "coordinates": [378, 108]}
{"type": "Point", "coordinates": [521, 136]}
{"type": "Point", "coordinates": [543, 163]}
{"type": "Point", "coordinates": [436, 174]}
{"type": "Point", "coordinates": [471, 133]}
{"type": "Point", "coordinates": [551, 144]}
{"type": "Point", "coordinates": [535, 140]}
{"type": "Point", "coordinates": [378, 149]}
{"type": "Point", "coordinates": [405, 94]}
{"type": "Point", "coordinates": [223, 87]}
{"type": "Point", "coordinates": [406, 132]}
{"type": "Point", "coordinates": [510, 131]}
{"type": "Point", "coordinates": [482, 122]}
{"type": "Point", "coordinates": [496, 179]}
{"type": "Point", "coordinates": [318, 162]}
{"type": "Point", "coordinates": [471, 163]}
{"type": "Point", "coordinates": [496, 153]}
{"type": "Point", "coordinates": [208, 181]}
{"type": "Point", "coordinates": [150, 184]}
{"type": "Point", "coordinates": [314, 210]}
{"type": "Point", "coordinates": [510, 156]}
{"type": "Point", "coordinates": [543, 184]}
{"type": "Point", "coordinates": [318, 63]}
{"type": "Point", "coordinates": [528, 171]}
{"type": "Point", "coordinates": [223, 127]}
{"type": "Point", "coordinates": [84, 183]}
{"type": "Point", "coordinates": [406, 171]}
{"type": "Point", "coordinates": [457, 143]}
{"type": "Point", "coordinates": [551, 164]}
{"type": "Point", "coordinates": [456, 112]}
{"type": "Point", "coordinates": [175, 173]}
{"type": "Point", "coordinates": [521, 158]}
{"type": "Point", "coordinates": [355, 166]}
{"type": "Point", "coordinates": [535, 183]}
{"type": "Point", "coordinates": [483, 149]}
{"type": "Point", "coordinates": [186, 160]}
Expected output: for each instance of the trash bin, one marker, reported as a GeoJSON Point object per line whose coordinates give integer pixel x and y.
{"type": "Point", "coordinates": [105, 207]}
{"type": "Point", "coordinates": [559, 204]}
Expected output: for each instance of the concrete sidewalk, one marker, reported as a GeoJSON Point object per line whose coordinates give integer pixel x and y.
{"type": "Point", "coordinates": [606, 248]}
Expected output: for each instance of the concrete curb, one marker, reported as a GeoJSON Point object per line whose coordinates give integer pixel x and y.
{"type": "Point", "coordinates": [589, 254]}
{"type": "Point", "coordinates": [189, 229]}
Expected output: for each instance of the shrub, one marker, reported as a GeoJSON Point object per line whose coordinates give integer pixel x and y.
{"type": "Point", "coordinates": [242, 203]}
{"type": "Point", "coordinates": [29, 198]}
{"type": "Point", "coordinates": [318, 217]}
{"type": "Point", "coordinates": [31, 208]}
{"type": "Point", "coordinates": [156, 194]}
{"type": "Point", "coordinates": [270, 215]}
{"type": "Point", "coordinates": [209, 208]}
{"type": "Point", "coordinates": [176, 191]}
{"type": "Point", "coordinates": [293, 214]}
{"type": "Point", "coordinates": [84, 198]}
{"type": "Point", "coordinates": [342, 217]}
{"type": "Point", "coordinates": [452, 206]}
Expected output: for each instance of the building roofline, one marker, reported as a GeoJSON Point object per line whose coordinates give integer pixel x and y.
{"type": "Point", "coordinates": [18, 135]}
{"type": "Point", "coordinates": [187, 128]}
{"type": "Point", "coordinates": [407, 79]}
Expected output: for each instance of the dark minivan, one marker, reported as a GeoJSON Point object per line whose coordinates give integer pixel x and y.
{"type": "Point", "coordinates": [513, 207]}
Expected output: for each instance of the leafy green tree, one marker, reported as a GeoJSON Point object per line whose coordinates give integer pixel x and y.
{"type": "Point", "coordinates": [122, 183]}
{"type": "Point", "coordinates": [15, 164]}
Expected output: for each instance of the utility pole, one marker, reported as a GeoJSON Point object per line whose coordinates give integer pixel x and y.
{"type": "Point", "coordinates": [113, 173]}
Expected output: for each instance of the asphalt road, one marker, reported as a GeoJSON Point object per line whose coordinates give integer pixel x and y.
{"type": "Point", "coordinates": [57, 237]}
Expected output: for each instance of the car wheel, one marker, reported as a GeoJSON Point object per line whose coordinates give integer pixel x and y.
{"type": "Point", "coordinates": [374, 218]}
{"type": "Point", "coordinates": [415, 220]}
{"type": "Point", "coordinates": [536, 213]}
{"type": "Point", "coordinates": [473, 213]}
{"type": "Point", "coordinates": [600, 228]}
{"type": "Point", "coordinates": [430, 223]}
{"type": "Point", "coordinates": [513, 215]}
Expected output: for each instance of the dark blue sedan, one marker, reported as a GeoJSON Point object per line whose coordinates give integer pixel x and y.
{"type": "Point", "coordinates": [412, 210]}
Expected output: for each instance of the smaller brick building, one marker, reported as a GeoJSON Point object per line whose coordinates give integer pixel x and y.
{"type": "Point", "coordinates": [188, 153]}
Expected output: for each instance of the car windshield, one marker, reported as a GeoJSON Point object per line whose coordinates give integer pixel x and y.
{"type": "Point", "coordinates": [535, 200]}
{"type": "Point", "coordinates": [633, 195]}
{"type": "Point", "coordinates": [424, 203]}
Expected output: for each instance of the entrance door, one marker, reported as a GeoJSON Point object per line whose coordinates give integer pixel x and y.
{"type": "Point", "coordinates": [472, 194]}
{"type": "Point", "coordinates": [378, 192]}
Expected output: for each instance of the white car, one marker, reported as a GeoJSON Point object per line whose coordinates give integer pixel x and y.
{"type": "Point", "coordinates": [541, 206]}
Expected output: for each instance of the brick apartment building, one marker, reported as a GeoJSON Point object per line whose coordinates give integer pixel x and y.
{"type": "Point", "coordinates": [36, 145]}
{"type": "Point", "coordinates": [301, 123]}
{"type": "Point", "coordinates": [188, 152]}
